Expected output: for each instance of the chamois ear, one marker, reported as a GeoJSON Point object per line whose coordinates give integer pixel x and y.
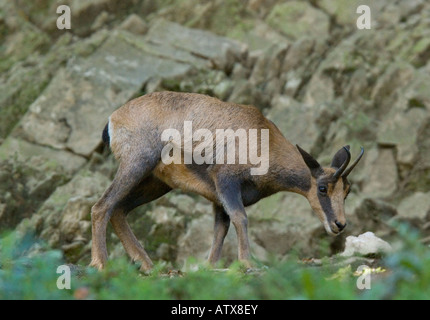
{"type": "Point", "coordinates": [312, 164]}
{"type": "Point", "coordinates": [340, 157]}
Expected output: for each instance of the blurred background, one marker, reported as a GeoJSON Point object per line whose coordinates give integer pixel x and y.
{"type": "Point", "coordinates": [305, 64]}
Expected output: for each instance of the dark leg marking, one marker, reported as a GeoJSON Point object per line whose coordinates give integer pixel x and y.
{"type": "Point", "coordinates": [148, 190]}
{"type": "Point", "coordinates": [221, 226]}
{"type": "Point", "coordinates": [229, 193]}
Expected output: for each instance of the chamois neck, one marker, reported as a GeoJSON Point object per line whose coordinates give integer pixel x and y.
{"type": "Point", "coordinates": [295, 179]}
{"type": "Point", "coordinates": [292, 172]}
{"type": "Point", "coordinates": [287, 166]}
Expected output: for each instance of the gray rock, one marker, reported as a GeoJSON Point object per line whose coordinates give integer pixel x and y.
{"type": "Point", "coordinates": [268, 64]}
{"type": "Point", "coordinates": [97, 85]}
{"type": "Point", "coordinates": [75, 224]}
{"type": "Point", "coordinates": [223, 52]}
{"type": "Point", "coordinates": [375, 209]}
{"type": "Point", "coordinates": [100, 21]}
{"type": "Point", "coordinates": [290, 117]}
{"type": "Point", "coordinates": [369, 213]}
{"type": "Point", "coordinates": [260, 37]}
{"type": "Point", "coordinates": [190, 207]}
{"type": "Point", "coordinates": [416, 205]}
{"type": "Point", "coordinates": [164, 50]}
{"type": "Point", "coordinates": [408, 113]}
{"type": "Point", "coordinates": [345, 13]}
{"type": "Point", "coordinates": [25, 40]}
{"type": "Point", "coordinates": [65, 216]}
{"type": "Point", "coordinates": [197, 241]}
{"type": "Point", "coordinates": [401, 130]}
{"type": "Point", "coordinates": [19, 87]}
{"type": "Point", "coordinates": [168, 224]}
{"type": "Point", "coordinates": [134, 24]}
{"type": "Point", "coordinates": [282, 222]}
{"type": "Point", "coordinates": [381, 175]}
{"type": "Point", "coordinates": [395, 76]}
{"type": "Point", "coordinates": [296, 19]}
{"type": "Point", "coordinates": [94, 87]}
{"type": "Point", "coordinates": [27, 152]}
{"type": "Point", "coordinates": [319, 90]}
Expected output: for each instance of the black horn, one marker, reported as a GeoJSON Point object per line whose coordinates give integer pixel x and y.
{"type": "Point", "coordinates": [342, 168]}
{"type": "Point", "coordinates": [348, 171]}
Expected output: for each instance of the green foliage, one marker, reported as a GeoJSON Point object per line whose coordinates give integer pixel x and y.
{"type": "Point", "coordinates": [27, 276]}
{"type": "Point", "coordinates": [28, 271]}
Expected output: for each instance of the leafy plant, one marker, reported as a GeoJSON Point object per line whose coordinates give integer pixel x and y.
{"type": "Point", "coordinates": [28, 270]}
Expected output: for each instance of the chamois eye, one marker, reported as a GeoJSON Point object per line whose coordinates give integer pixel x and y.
{"type": "Point", "coordinates": [322, 189]}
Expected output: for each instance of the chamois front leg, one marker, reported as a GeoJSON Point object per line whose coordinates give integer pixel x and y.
{"type": "Point", "coordinates": [229, 194]}
{"type": "Point", "coordinates": [222, 223]}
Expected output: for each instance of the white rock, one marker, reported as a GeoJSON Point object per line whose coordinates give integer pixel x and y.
{"type": "Point", "coordinates": [364, 244]}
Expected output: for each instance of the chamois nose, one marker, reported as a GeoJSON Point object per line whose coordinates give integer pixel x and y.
{"type": "Point", "coordinates": [340, 225]}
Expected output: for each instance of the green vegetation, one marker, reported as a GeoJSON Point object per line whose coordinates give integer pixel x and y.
{"type": "Point", "coordinates": [28, 271]}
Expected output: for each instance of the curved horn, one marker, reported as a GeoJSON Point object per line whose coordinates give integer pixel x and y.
{"type": "Point", "coordinates": [348, 171]}
{"type": "Point", "coordinates": [344, 165]}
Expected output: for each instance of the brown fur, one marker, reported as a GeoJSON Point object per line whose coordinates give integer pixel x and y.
{"type": "Point", "coordinates": [135, 130]}
{"type": "Point", "coordinates": [160, 111]}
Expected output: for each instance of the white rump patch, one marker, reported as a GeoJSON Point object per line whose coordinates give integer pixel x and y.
{"type": "Point", "coordinates": [110, 131]}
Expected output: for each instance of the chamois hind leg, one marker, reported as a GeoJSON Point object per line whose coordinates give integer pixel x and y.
{"type": "Point", "coordinates": [130, 173]}
{"type": "Point", "coordinates": [148, 190]}
{"type": "Point", "coordinates": [222, 223]}
{"type": "Point", "coordinates": [229, 193]}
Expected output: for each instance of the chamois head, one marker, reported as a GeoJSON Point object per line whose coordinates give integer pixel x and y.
{"type": "Point", "coordinates": [330, 187]}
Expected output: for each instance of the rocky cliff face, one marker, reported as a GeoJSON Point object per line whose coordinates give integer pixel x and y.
{"type": "Point", "coordinates": [303, 63]}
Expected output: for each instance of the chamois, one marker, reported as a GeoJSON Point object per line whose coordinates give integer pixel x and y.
{"type": "Point", "coordinates": [134, 134]}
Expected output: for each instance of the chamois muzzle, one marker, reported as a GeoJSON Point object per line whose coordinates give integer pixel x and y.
{"type": "Point", "coordinates": [340, 225]}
